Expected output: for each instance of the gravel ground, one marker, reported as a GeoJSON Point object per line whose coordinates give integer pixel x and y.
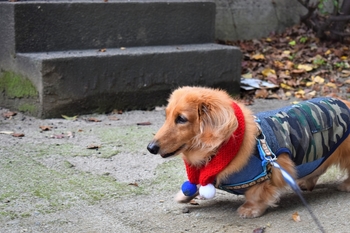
{"type": "Point", "coordinates": [51, 182]}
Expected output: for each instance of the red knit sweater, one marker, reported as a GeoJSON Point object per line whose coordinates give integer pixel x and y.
{"type": "Point", "coordinates": [206, 174]}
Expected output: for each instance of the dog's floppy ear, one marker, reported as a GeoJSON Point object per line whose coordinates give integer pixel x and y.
{"type": "Point", "coordinates": [217, 122]}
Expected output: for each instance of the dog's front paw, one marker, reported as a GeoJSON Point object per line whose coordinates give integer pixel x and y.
{"type": "Point", "coordinates": [181, 198]}
{"type": "Point", "coordinates": [345, 187]}
{"type": "Point", "coordinates": [249, 210]}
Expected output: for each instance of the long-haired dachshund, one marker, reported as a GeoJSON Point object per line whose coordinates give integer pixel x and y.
{"type": "Point", "coordinates": [225, 146]}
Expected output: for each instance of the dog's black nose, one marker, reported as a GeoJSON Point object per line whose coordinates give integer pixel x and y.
{"type": "Point", "coordinates": [153, 147]}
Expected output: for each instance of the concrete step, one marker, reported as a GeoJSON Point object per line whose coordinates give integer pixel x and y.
{"type": "Point", "coordinates": [51, 59]}
{"type": "Point", "coordinates": [77, 82]}
{"type": "Point", "coordinates": [75, 25]}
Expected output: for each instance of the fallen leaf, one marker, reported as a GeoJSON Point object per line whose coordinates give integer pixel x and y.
{"type": "Point", "coordinates": [18, 135]}
{"type": "Point", "coordinates": [45, 127]}
{"type": "Point", "coordinates": [93, 146]}
{"type": "Point", "coordinates": [285, 86]}
{"type": "Point", "coordinates": [102, 50]}
{"type": "Point", "coordinates": [278, 64]}
{"type": "Point", "coordinates": [299, 94]}
{"type": "Point", "coordinates": [73, 118]}
{"type": "Point", "coordinates": [258, 57]}
{"type": "Point", "coordinates": [144, 123]}
{"type": "Point", "coordinates": [247, 75]}
{"type": "Point", "coordinates": [296, 217]}
{"type": "Point", "coordinates": [298, 71]}
{"type": "Point", "coordinates": [134, 184]}
{"type": "Point", "coordinates": [261, 93]}
{"type": "Point", "coordinates": [309, 84]}
{"type": "Point", "coordinates": [292, 43]}
{"type": "Point", "coordinates": [332, 85]}
{"type": "Point", "coordinates": [328, 52]}
{"type": "Point", "coordinates": [267, 72]}
{"type": "Point", "coordinates": [318, 79]}
{"type": "Point", "coordinates": [305, 67]}
{"type": "Point", "coordinates": [9, 114]}
{"type": "Point", "coordinates": [289, 65]}
{"type": "Point", "coordinates": [93, 119]}
{"type": "Point", "coordinates": [310, 95]}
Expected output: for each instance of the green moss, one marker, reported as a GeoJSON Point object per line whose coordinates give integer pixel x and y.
{"type": "Point", "coordinates": [25, 180]}
{"type": "Point", "coordinates": [16, 86]}
{"type": "Point", "coordinates": [126, 138]}
{"type": "Point", "coordinates": [31, 108]}
{"type": "Point", "coordinates": [170, 175]}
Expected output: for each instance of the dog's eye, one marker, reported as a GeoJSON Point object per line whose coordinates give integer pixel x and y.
{"type": "Point", "coordinates": [180, 120]}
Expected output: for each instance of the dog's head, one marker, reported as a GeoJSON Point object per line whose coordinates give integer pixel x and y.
{"type": "Point", "coordinates": [197, 119]}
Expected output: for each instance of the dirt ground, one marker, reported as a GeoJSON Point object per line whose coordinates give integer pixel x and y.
{"type": "Point", "coordinates": [50, 181]}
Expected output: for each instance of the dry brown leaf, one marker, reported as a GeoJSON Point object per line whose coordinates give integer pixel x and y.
{"type": "Point", "coordinates": [258, 57]}
{"type": "Point", "coordinates": [298, 71]}
{"type": "Point", "coordinates": [18, 135]}
{"type": "Point", "coordinates": [331, 85]}
{"type": "Point", "coordinates": [45, 127]}
{"type": "Point", "coordinates": [93, 146]}
{"type": "Point", "coordinates": [9, 114]}
{"type": "Point", "coordinates": [267, 72]}
{"type": "Point", "coordinates": [299, 94]}
{"type": "Point", "coordinates": [305, 67]}
{"type": "Point", "coordinates": [285, 86]}
{"type": "Point", "coordinates": [134, 184]}
{"type": "Point", "coordinates": [93, 119]}
{"type": "Point", "coordinates": [261, 93]}
{"type": "Point", "coordinates": [296, 217]}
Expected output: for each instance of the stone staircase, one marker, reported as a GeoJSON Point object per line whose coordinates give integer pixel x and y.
{"type": "Point", "coordinates": [75, 57]}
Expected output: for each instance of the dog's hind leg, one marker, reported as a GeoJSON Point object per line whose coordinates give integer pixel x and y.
{"type": "Point", "coordinates": [342, 154]}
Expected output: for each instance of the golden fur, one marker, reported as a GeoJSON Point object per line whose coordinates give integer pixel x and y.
{"type": "Point", "coordinates": [199, 120]}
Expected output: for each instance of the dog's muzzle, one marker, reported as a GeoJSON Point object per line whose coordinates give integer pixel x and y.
{"type": "Point", "coordinates": [153, 147]}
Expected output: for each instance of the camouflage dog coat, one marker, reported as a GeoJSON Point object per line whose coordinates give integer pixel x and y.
{"type": "Point", "coordinates": [308, 132]}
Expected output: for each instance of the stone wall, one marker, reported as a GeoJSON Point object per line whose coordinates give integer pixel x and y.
{"type": "Point", "coordinates": [249, 19]}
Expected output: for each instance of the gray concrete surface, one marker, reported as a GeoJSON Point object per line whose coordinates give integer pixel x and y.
{"type": "Point", "coordinates": [79, 82]}
{"type": "Point", "coordinates": [51, 182]}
